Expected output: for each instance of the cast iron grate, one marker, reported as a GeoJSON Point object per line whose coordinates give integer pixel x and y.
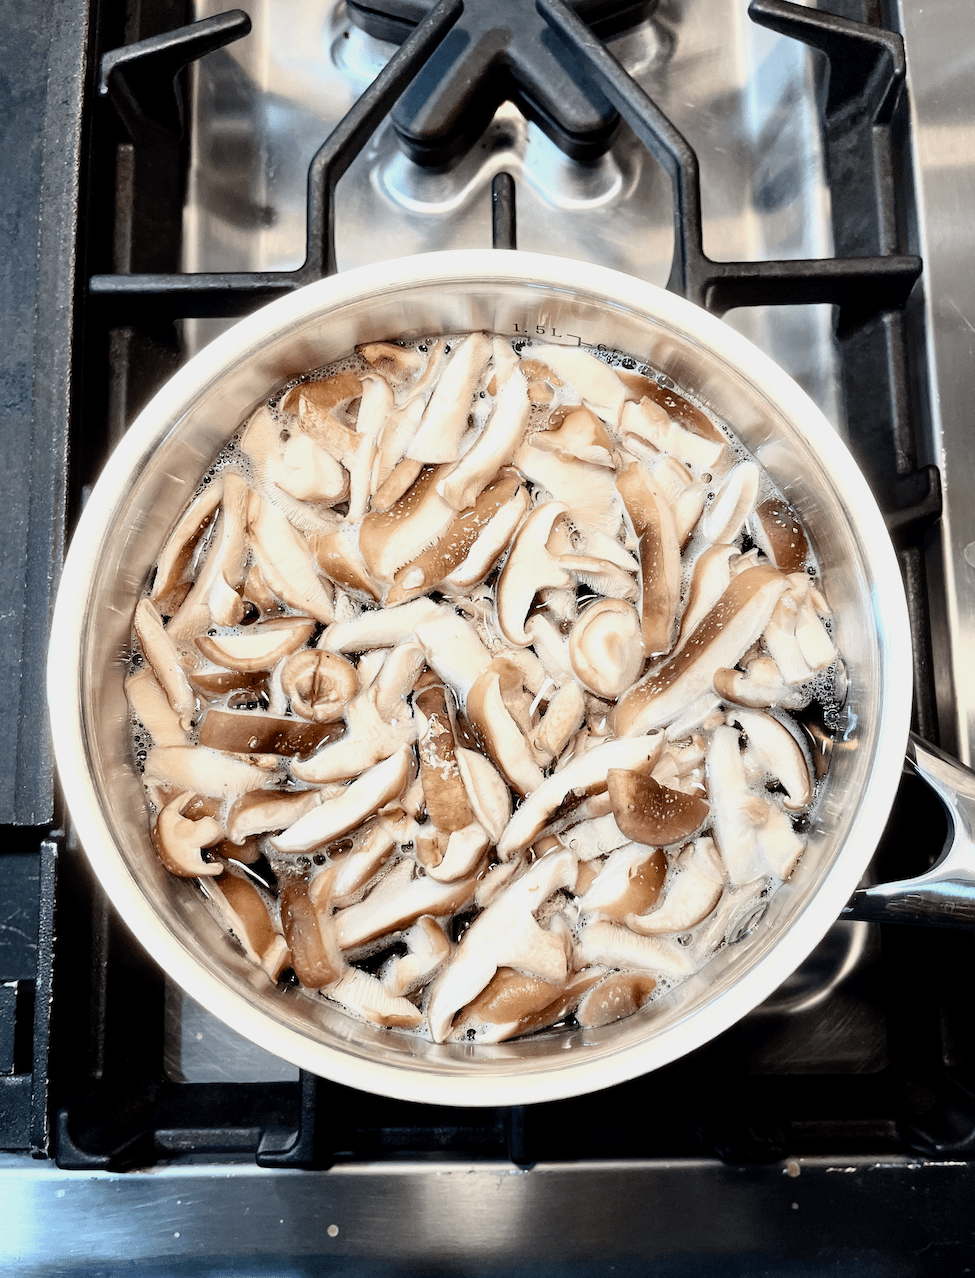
{"type": "Point", "coordinates": [115, 1108]}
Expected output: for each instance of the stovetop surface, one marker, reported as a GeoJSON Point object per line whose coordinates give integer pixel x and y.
{"type": "Point", "coordinates": [836, 1121]}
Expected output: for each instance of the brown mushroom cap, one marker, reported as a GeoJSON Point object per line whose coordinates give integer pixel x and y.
{"type": "Point", "coordinates": [253, 732]}
{"type": "Point", "coordinates": [314, 961]}
{"type": "Point", "coordinates": [251, 921]}
{"type": "Point", "coordinates": [443, 785]}
{"type": "Point", "coordinates": [777, 531]}
{"type": "Point", "coordinates": [686, 414]}
{"type": "Point", "coordinates": [510, 996]}
{"type": "Point", "coordinates": [649, 813]}
{"type": "Point", "coordinates": [628, 883]}
{"type": "Point", "coordinates": [617, 995]}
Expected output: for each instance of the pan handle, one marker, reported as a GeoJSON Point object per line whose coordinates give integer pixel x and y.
{"type": "Point", "coordinates": [945, 895]}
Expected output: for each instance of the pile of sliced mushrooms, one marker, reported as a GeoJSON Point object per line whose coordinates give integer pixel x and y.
{"type": "Point", "coordinates": [468, 677]}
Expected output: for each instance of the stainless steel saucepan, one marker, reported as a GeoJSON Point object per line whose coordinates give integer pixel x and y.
{"type": "Point", "coordinates": [155, 471]}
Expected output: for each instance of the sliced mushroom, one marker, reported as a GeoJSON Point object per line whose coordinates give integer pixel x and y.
{"type": "Point", "coordinates": [815, 644]}
{"type": "Point", "coordinates": [597, 383]}
{"type": "Point", "coordinates": [502, 737]}
{"type": "Point", "coordinates": [260, 646]}
{"type": "Point", "coordinates": [453, 649]}
{"type": "Point", "coordinates": [679, 409]}
{"type": "Point", "coordinates": [371, 737]}
{"type": "Point", "coordinates": [152, 708]}
{"type": "Point", "coordinates": [351, 871]}
{"type": "Point", "coordinates": [163, 656]}
{"type": "Point", "coordinates": [179, 840]}
{"type": "Point", "coordinates": [396, 484]}
{"type": "Point", "coordinates": [617, 995]}
{"type": "Point", "coordinates": [250, 732]}
{"type": "Point", "coordinates": [314, 953]}
{"type": "Point", "coordinates": [178, 552]}
{"type": "Point", "coordinates": [341, 562]}
{"type": "Point", "coordinates": [377, 400]}
{"type": "Point", "coordinates": [495, 447]}
{"type": "Point", "coordinates": [530, 567]}
{"type": "Point", "coordinates": [202, 771]}
{"type": "Point", "coordinates": [780, 535]}
{"type": "Point", "coordinates": [779, 843]}
{"type": "Point", "coordinates": [728, 631]}
{"type": "Point", "coordinates": [400, 897]}
{"type": "Point", "coordinates": [650, 813]}
{"type": "Point", "coordinates": [417, 521]}
{"type": "Point", "coordinates": [652, 423]}
{"type": "Point", "coordinates": [628, 883]}
{"type": "Point", "coordinates": [583, 776]}
{"type": "Point", "coordinates": [505, 935]}
{"type": "Point", "coordinates": [443, 786]}
{"type": "Point", "coordinates": [487, 793]}
{"type": "Point", "coordinates": [398, 364]}
{"type": "Point", "coordinates": [659, 549]}
{"type": "Point", "coordinates": [379, 627]}
{"type": "Point", "coordinates": [286, 561]}
{"type": "Point", "coordinates": [578, 435]}
{"type": "Point", "coordinates": [261, 811]}
{"type": "Point", "coordinates": [369, 998]}
{"type": "Point", "coordinates": [462, 855]}
{"type": "Point", "coordinates": [588, 492]}
{"type": "Point", "coordinates": [427, 949]}
{"type": "Point", "coordinates": [613, 945]}
{"type": "Point", "coordinates": [779, 755]}
{"type": "Point", "coordinates": [374, 788]}
{"type": "Point", "coordinates": [606, 647]}
{"type": "Point", "coordinates": [284, 455]}
{"type": "Point", "coordinates": [736, 813]}
{"type": "Point", "coordinates": [758, 686]}
{"type": "Point", "coordinates": [245, 913]}
{"type": "Point", "coordinates": [445, 416]}
{"type": "Point", "coordinates": [782, 643]}
{"type": "Point", "coordinates": [563, 718]}
{"type": "Point", "coordinates": [692, 894]}
{"type": "Point", "coordinates": [439, 560]}
{"type": "Point", "coordinates": [733, 504]}
{"type": "Point", "coordinates": [318, 405]}
{"type": "Point", "coordinates": [318, 684]}
{"type": "Point", "coordinates": [490, 543]}
{"type": "Point", "coordinates": [550, 644]}
{"type": "Point", "coordinates": [594, 837]}
{"type": "Point", "coordinates": [710, 579]}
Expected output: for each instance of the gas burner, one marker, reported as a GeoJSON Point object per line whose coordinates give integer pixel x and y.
{"type": "Point", "coordinates": [499, 50]}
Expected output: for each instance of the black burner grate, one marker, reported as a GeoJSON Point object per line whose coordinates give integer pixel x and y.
{"type": "Point", "coordinates": [497, 51]}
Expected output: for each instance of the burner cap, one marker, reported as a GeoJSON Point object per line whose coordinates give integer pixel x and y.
{"type": "Point", "coordinates": [498, 51]}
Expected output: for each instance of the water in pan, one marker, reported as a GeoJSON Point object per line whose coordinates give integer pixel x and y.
{"type": "Point", "coordinates": [714, 471]}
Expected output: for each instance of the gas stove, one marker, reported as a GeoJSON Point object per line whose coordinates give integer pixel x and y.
{"type": "Point", "coordinates": [787, 167]}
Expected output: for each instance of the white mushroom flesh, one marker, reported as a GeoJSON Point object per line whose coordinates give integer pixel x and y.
{"type": "Point", "coordinates": [561, 545]}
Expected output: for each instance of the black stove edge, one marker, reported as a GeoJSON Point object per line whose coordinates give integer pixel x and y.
{"type": "Point", "coordinates": [44, 72]}
{"type": "Point", "coordinates": [802, 1218]}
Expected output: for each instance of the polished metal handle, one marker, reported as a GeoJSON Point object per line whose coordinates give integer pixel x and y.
{"type": "Point", "coordinates": [945, 895]}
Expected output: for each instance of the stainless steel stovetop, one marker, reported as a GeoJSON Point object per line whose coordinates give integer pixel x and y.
{"type": "Point", "coordinates": [748, 101]}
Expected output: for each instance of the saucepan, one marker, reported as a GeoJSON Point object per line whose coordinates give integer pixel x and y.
{"type": "Point", "coordinates": [158, 466]}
